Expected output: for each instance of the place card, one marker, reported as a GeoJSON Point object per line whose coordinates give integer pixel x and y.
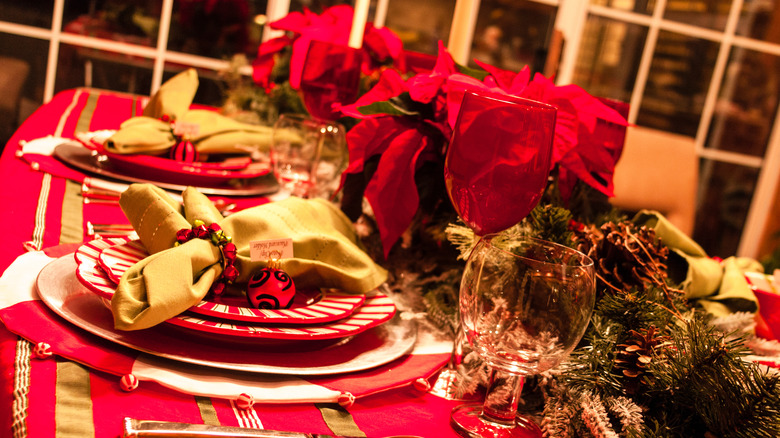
{"type": "Point", "coordinates": [186, 129]}
{"type": "Point", "coordinates": [264, 250]}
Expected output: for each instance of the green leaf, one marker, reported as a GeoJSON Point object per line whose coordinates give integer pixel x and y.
{"type": "Point", "coordinates": [401, 105]}
{"type": "Point", "coordinates": [478, 74]}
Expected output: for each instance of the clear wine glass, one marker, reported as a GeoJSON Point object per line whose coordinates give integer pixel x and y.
{"type": "Point", "coordinates": [524, 305]}
{"type": "Point", "coordinates": [495, 171]}
{"type": "Point", "coordinates": [308, 155]}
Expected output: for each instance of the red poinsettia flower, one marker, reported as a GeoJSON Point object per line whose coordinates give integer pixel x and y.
{"type": "Point", "coordinates": [578, 113]}
{"type": "Point", "coordinates": [403, 143]}
{"type": "Point", "coordinates": [428, 106]}
{"type": "Point", "coordinates": [332, 26]}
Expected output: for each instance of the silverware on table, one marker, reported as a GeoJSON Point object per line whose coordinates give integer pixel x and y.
{"type": "Point", "coordinates": [95, 229]}
{"type": "Point", "coordinates": [157, 429]}
{"type": "Point", "coordinates": [108, 194]}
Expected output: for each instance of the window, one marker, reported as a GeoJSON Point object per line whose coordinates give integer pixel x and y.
{"type": "Point", "coordinates": [705, 69]}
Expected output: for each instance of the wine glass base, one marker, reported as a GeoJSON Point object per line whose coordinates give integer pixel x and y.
{"type": "Point", "coordinates": [468, 421]}
{"type": "Point", "coordinates": [445, 386]}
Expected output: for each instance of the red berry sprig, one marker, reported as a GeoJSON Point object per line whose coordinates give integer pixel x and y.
{"type": "Point", "coordinates": [217, 236]}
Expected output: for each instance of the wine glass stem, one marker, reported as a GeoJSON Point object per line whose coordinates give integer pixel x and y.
{"type": "Point", "coordinates": [502, 396]}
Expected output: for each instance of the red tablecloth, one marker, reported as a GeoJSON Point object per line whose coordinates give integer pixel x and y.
{"type": "Point", "coordinates": [59, 397]}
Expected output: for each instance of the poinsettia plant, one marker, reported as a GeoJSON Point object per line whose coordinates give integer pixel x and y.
{"type": "Point", "coordinates": [380, 45]}
{"type": "Point", "coordinates": [405, 123]}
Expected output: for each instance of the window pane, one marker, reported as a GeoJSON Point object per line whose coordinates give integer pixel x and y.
{"type": "Point", "coordinates": [747, 104]}
{"type": "Point", "coordinates": [318, 6]}
{"type": "Point", "coordinates": [760, 20]}
{"type": "Point", "coordinates": [640, 6]}
{"type": "Point", "coordinates": [710, 14]}
{"type": "Point", "coordinates": [80, 66]}
{"type": "Point", "coordinates": [22, 75]}
{"type": "Point", "coordinates": [609, 57]}
{"type": "Point", "coordinates": [511, 35]}
{"type": "Point", "coordinates": [133, 22]}
{"type": "Point", "coordinates": [677, 83]}
{"type": "Point", "coordinates": [725, 194]}
{"type": "Point", "coordinates": [32, 13]}
{"type": "Point", "coordinates": [218, 29]}
{"type": "Point", "coordinates": [421, 25]}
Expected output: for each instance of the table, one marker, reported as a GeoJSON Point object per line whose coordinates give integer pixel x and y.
{"type": "Point", "coordinates": [44, 217]}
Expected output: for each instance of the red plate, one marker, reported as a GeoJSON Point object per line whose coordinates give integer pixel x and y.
{"type": "Point", "coordinates": [177, 172]}
{"type": "Point", "coordinates": [115, 256]}
{"type": "Point", "coordinates": [375, 310]}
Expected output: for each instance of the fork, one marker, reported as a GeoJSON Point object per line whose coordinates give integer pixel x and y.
{"type": "Point", "coordinates": [110, 196]}
{"type": "Point", "coordinates": [98, 230]}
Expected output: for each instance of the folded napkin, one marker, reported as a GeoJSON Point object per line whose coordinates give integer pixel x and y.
{"type": "Point", "coordinates": [215, 133]}
{"type": "Point", "coordinates": [719, 286]}
{"type": "Point", "coordinates": [172, 279]}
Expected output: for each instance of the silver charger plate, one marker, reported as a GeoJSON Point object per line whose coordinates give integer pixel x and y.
{"type": "Point", "coordinates": [62, 292]}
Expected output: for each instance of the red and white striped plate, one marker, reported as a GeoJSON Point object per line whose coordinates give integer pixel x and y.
{"type": "Point", "coordinates": [309, 307]}
{"type": "Point", "coordinates": [372, 311]}
{"type": "Point", "coordinates": [377, 309]}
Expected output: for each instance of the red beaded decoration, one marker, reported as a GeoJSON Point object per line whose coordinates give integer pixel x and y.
{"type": "Point", "coordinates": [245, 401]}
{"type": "Point", "coordinates": [346, 399]}
{"type": "Point", "coordinates": [422, 385]}
{"type": "Point", "coordinates": [218, 238]}
{"type": "Point", "coordinates": [128, 382]}
{"type": "Point", "coordinates": [42, 350]}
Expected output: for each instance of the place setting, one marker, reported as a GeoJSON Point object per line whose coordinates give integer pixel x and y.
{"type": "Point", "coordinates": [294, 312]}
{"type": "Point", "coordinates": [175, 146]}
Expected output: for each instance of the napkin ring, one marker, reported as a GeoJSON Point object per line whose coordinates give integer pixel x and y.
{"type": "Point", "coordinates": [216, 235]}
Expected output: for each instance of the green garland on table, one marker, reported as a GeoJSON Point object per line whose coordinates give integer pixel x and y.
{"type": "Point", "coordinates": [248, 103]}
{"type": "Point", "coordinates": [652, 363]}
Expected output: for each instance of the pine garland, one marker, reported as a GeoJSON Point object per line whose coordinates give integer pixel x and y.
{"type": "Point", "coordinates": [651, 364]}
{"type": "Point", "coordinates": [654, 352]}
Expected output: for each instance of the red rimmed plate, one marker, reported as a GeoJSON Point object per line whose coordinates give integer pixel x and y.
{"type": "Point", "coordinates": [197, 174]}
{"type": "Point", "coordinates": [89, 160]}
{"type": "Point", "coordinates": [374, 311]}
{"type": "Point", "coordinates": [102, 262]}
{"type": "Point", "coordinates": [172, 171]}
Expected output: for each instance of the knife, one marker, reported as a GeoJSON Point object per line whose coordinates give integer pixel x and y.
{"type": "Point", "coordinates": [160, 429]}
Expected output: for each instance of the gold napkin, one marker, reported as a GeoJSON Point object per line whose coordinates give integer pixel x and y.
{"type": "Point", "coordinates": [148, 134]}
{"type": "Point", "coordinates": [172, 279]}
{"type": "Point", "coordinates": [720, 287]}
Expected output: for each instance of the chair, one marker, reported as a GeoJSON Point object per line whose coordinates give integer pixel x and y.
{"type": "Point", "coordinates": [658, 171]}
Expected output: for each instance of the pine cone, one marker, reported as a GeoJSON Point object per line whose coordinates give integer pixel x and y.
{"type": "Point", "coordinates": [626, 256]}
{"type": "Point", "coordinates": [636, 354]}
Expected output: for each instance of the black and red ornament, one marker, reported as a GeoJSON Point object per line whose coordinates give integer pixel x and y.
{"type": "Point", "coordinates": [270, 288]}
{"type": "Point", "coordinates": [184, 151]}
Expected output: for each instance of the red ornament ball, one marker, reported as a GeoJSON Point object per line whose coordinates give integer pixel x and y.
{"type": "Point", "coordinates": [270, 288]}
{"type": "Point", "coordinates": [184, 151]}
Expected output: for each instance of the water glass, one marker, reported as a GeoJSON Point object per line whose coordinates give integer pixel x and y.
{"type": "Point", "coordinates": [308, 155]}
